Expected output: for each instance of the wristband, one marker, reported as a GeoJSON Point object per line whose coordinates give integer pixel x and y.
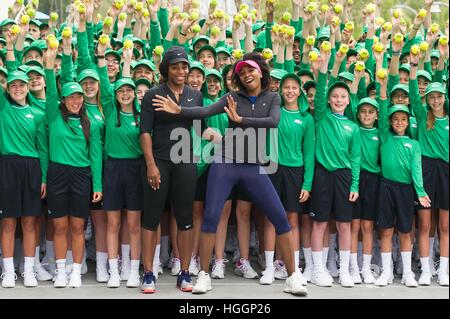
{"type": "Point", "coordinates": [100, 56]}
{"type": "Point", "coordinates": [414, 64]}
{"type": "Point", "coordinates": [395, 53]}
{"type": "Point", "coordinates": [183, 34]}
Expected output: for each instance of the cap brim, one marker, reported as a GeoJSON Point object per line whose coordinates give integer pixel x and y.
{"type": "Point", "coordinates": [176, 60]}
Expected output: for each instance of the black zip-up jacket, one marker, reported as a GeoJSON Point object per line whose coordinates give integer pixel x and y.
{"type": "Point", "coordinates": [243, 142]}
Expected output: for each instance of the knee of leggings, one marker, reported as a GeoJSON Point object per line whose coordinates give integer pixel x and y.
{"type": "Point", "coordinates": [282, 227]}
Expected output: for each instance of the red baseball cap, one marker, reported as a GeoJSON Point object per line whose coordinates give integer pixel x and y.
{"type": "Point", "coordinates": [249, 63]}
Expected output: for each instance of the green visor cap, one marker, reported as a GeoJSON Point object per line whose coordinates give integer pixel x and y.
{"type": "Point", "coordinates": [197, 65]}
{"type": "Point", "coordinates": [36, 69]}
{"type": "Point", "coordinates": [3, 71]}
{"type": "Point", "coordinates": [36, 22]}
{"type": "Point", "coordinates": [435, 54]}
{"type": "Point", "coordinates": [202, 37]}
{"type": "Point", "coordinates": [144, 62]}
{"type": "Point", "coordinates": [346, 76]}
{"type": "Point", "coordinates": [338, 84]}
{"type": "Point", "coordinates": [71, 88]}
{"type": "Point", "coordinates": [435, 87]}
{"type": "Point", "coordinates": [6, 22]}
{"type": "Point", "coordinates": [308, 85]}
{"type": "Point", "coordinates": [122, 82]}
{"type": "Point", "coordinates": [278, 73]}
{"type": "Point", "coordinates": [207, 47]}
{"type": "Point", "coordinates": [213, 72]}
{"type": "Point", "coordinates": [323, 33]}
{"type": "Point", "coordinates": [88, 73]}
{"type": "Point", "coordinates": [424, 74]}
{"type": "Point", "coordinates": [257, 26]}
{"type": "Point", "coordinates": [352, 52]}
{"type": "Point", "coordinates": [403, 87]}
{"type": "Point", "coordinates": [305, 72]}
{"type": "Point", "coordinates": [290, 76]}
{"type": "Point", "coordinates": [370, 101]}
{"type": "Point", "coordinates": [143, 81]}
{"type": "Point", "coordinates": [115, 53]}
{"type": "Point", "coordinates": [405, 67]}
{"type": "Point", "coordinates": [34, 63]}
{"type": "Point", "coordinates": [223, 50]}
{"type": "Point", "coordinates": [398, 108]}
{"type": "Point", "coordinates": [17, 75]}
{"type": "Point", "coordinates": [32, 47]}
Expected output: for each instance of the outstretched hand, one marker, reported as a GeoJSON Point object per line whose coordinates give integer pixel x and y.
{"type": "Point", "coordinates": [166, 104]}
{"type": "Point", "coordinates": [232, 110]}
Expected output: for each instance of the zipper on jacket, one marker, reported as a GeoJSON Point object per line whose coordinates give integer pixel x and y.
{"type": "Point", "coordinates": [253, 107]}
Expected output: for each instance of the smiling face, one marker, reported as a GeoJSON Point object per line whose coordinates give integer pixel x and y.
{"type": "Point", "coordinates": [274, 85]}
{"type": "Point", "coordinates": [125, 95]}
{"type": "Point", "coordinates": [33, 55]}
{"type": "Point", "coordinates": [206, 57]}
{"type": "Point", "coordinates": [338, 100]}
{"type": "Point", "coordinates": [143, 72]}
{"type": "Point", "coordinates": [423, 83]}
{"type": "Point", "coordinates": [399, 97]}
{"type": "Point", "coordinates": [399, 122]}
{"type": "Point", "coordinates": [36, 83]}
{"type": "Point", "coordinates": [90, 88]}
{"type": "Point", "coordinates": [250, 78]}
{"type": "Point", "coordinates": [34, 31]}
{"type": "Point", "coordinates": [18, 91]}
{"type": "Point", "coordinates": [213, 86]}
{"type": "Point", "coordinates": [367, 115]}
{"type": "Point", "coordinates": [223, 59]}
{"type": "Point", "coordinates": [74, 102]}
{"type": "Point", "coordinates": [436, 101]}
{"type": "Point", "coordinates": [296, 51]}
{"type": "Point", "coordinates": [290, 91]}
{"type": "Point", "coordinates": [112, 64]}
{"type": "Point", "coordinates": [404, 77]}
{"type": "Point", "coordinates": [196, 79]}
{"type": "Point", "coordinates": [310, 95]}
{"type": "Point", "coordinates": [229, 81]}
{"type": "Point", "coordinates": [141, 89]}
{"type": "Point", "coordinates": [177, 73]}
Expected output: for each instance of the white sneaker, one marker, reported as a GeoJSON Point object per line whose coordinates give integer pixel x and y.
{"type": "Point", "coordinates": [280, 270]}
{"type": "Point", "coordinates": [203, 283]}
{"type": "Point", "coordinates": [218, 269]}
{"type": "Point", "coordinates": [307, 273]}
{"type": "Point", "coordinates": [134, 280]}
{"type": "Point", "coordinates": [262, 261]}
{"type": "Point", "coordinates": [294, 286]}
{"type": "Point", "coordinates": [29, 279]}
{"type": "Point", "coordinates": [60, 279]}
{"type": "Point", "coordinates": [368, 277]}
{"type": "Point", "coordinates": [194, 266]}
{"type": "Point", "coordinates": [8, 279]}
{"type": "Point", "coordinates": [433, 270]}
{"type": "Point", "coordinates": [322, 279]}
{"type": "Point", "coordinates": [114, 280]}
{"type": "Point", "coordinates": [442, 278]}
{"type": "Point", "coordinates": [176, 267]}
{"type": "Point", "coordinates": [385, 278]}
{"type": "Point", "coordinates": [268, 276]}
{"type": "Point", "coordinates": [408, 280]}
{"type": "Point", "coordinates": [356, 277]}
{"type": "Point", "coordinates": [244, 269]}
{"type": "Point", "coordinates": [75, 280]}
{"type": "Point", "coordinates": [425, 278]}
{"type": "Point", "coordinates": [332, 268]}
{"type": "Point", "coordinates": [41, 273]}
{"type": "Point", "coordinates": [101, 273]}
{"type": "Point", "coordinates": [303, 280]}
{"type": "Point", "coordinates": [346, 280]}
{"type": "Point", "coordinates": [125, 269]}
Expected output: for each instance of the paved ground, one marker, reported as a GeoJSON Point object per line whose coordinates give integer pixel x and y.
{"type": "Point", "coordinates": [232, 287]}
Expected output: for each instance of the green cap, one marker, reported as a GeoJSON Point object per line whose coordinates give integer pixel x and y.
{"type": "Point", "coordinates": [290, 76]}
{"type": "Point", "coordinates": [6, 22]}
{"type": "Point", "coordinates": [207, 47]}
{"type": "Point", "coordinates": [257, 26]}
{"type": "Point", "coordinates": [398, 108]}
{"type": "Point", "coordinates": [405, 67]}
{"type": "Point", "coordinates": [199, 38]}
{"type": "Point", "coordinates": [352, 52]}
{"type": "Point", "coordinates": [88, 73]}
{"type": "Point", "coordinates": [435, 54]}
{"type": "Point", "coordinates": [323, 33]}
{"type": "Point", "coordinates": [435, 87]}
{"type": "Point", "coordinates": [346, 76]}
{"type": "Point", "coordinates": [17, 75]}
{"type": "Point", "coordinates": [305, 72]}
{"type": "Point", "coordinates": [370, 101]}
{"type": "Point", "coordinates": [37, 70]}
{"type": "Point", "coordinates": [309, 84]}
{"type": "Point", "coordinates": [122, 82]}
{"type": "Point", "coordinates": [278, 73]}
{"type": "Point", "coordinates": [302, 100]}
{"type": "Point", "coordinates": [112, 52]}
{"type": "Point", "coordinates": [424, 74]}
{"type": "Point", "coordinates": [403, 87]}
{"type": "Point", "coordinates": [70, 88]}
{"type": "Point", "coordinates": [213, 72]}
{"type": "Point", "coordinates": [338, 84]}
{"type": "Point", "coordinates": [223, 50]}
{"type": "Point", "coordinates": [4, 71]}
{"type": "Point", "coordinates": [147, 63]}
{"type": "Point", "coordinates": [371, 86]}
{"type": "Point", "coordinates": [33, 46]}
{"type": "Point", "coordinates": [36, 22]}
{"type": "Point", "coordinates": [143, 81]}
{"type": "Point", "coordinates": [197, 65]}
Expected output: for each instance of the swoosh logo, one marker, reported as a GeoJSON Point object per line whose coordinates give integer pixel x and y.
{"type": "Point", "coordinates": [189, 100]}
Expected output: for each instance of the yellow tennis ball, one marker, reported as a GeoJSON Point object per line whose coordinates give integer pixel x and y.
{"type": "Point", "coordinates": [290, 31]}
{"type": "Point", "coordinates": [310, 40]}
{"type": "Point", "coordinates": [443, 40]}
{"type": "Point", "coordinates": [238, 18]}
{"type": "Point", "coordinates": [196, 28]}
{"type": "Point", "coordinates": [363, 54]}
{"type": "Point", "coordinates": [267, 54]}
{"type": "Point", "coordinates": [194, 15]}
{"type": "Point", "coordinates": [398, 37]}
{"type": "Point", "coordinates": [108, 21]}
{"type": "Point", "coordinates": [325, 46]}
{"type": "Point", "coordinates": [313, 56]}
{"type": "Point", "coordinates": [139, 6]}
{"type": "Point", "coordinates": [213, 3]}
{"type": "Point", "coordinates": [215, 31]}
{"type": "Point", "coordinates": [335, 21]}
{"type": "Point", "coordinates": [424, 46]}
{"type": "Point", "coordinates": [338, 8]}
{"type": "Point", "coordinates": [104, 39]}
{"type": "Point", "coordinates": [434, 27]}
{"type": "Point", "coordinates": [360, 66]}
{"type": "Point", "coordinates": [54, 44]}
{"type": "Point", "coordinates": [311, 7]}
{"type": "Point", "coordinates": [158, 50]}
{"type": "Point", "coordinates": [145, 13]}
{"type": "Point", "coordinates": [19, 2]}
{"type": "Point", "coordinates": [349, 26]}
{"type": "Point", "coordinates": [378, 47]}
{"type": "Point", "coordinates": [286, 17]}
{"type": "Point", "coordinates": [176, 9]}
{"type": "Point", "coordinates": [31, 12]}
{"type": "Point", "coordinates": [119, 4]}
{"type": "Point", "coordinates": [396, 13]}
{"type": "Point", "coordinates": [276, 28]}
{"type": "Point", "coordinates": [54, 16]}
{"type": "Point", "coordinates": [415, 49]}
{"type": "Point", "coordinates": [379, 21]}
{"type": "Point", "coordinates": [122, 16]}
{"type": "Point", "coordinates": [128, 44]}
{"type": "Point", "coordinates": [387, 26]}
{"type": "Point", "coordinates": [15, 29]}
{"type": "Point", "coordinates": [238, 54]}
{"type": "Point", "coordinates": [382, 73]}
{"type": "Point", "coordinates": [244, 7]}
{"type": "Point", "coordinates": [370, 8]}
{"type": "Point", "coordinates": [422, 13]}
{"type": "Point", "coordinates": [25, 19]}
{"type": "Point", "coordinates": [67, 32]}
{"type": "Point", "coordinates": [324, 8]}
{"type": "Point", "coordinates": [82, 8]}
{"type": "Point", "coordinates": [344, 48]}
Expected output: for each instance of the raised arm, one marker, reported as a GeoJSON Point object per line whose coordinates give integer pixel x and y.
{"type": "Point", "coordinates": [51, 106]}
{"type": "Point", "coordinates": [414, 96]}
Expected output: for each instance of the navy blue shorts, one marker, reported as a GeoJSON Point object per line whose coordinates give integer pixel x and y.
{"type": "Point", "coordinates": [287, 182]}
{"type": "Point", "coordinates": [366, 207]}
{"type": "Point", "coordinates": [435, 182]}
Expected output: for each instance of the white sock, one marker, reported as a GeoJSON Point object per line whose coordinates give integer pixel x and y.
{"type": "Point", "coordinates": [431, 254]}
{"type": "Point", "coordinates": [344, 260]}
{"type": "Point", "coordinates": [296, 259]}
{"type": "Point", "coordinates": [29, 264]}
{"type": "Point", "coordinates": [125, 253]}
{"type": "Point", "coordinates": [113, 266]}
{"type": "Point", "coordinates": [8, 264]}
{"type": "Point", "coordinates": [308, 256]}
{"type": "Point", "coordinates": [386, 260]}
{"type": "Point", "coordinates": [269, 255]}
{"type": "Point", "coordinates": [366, 262]}
{"type": "Point", "coordinates": [61, 265]}
{"type": "Point", "coordinates": [157, 252]}
{"type": "Point", "coordinates": [69, 257]}
{"type": "Point", "coordinates": [317, 257]}
{"type": "Point", "coordinates": [325, 255]}
{"type": "Point", "coordinates": [135, 265]}
{"type": "Point", "coordinates": [443, 264]}
{"type": "Point", "coordinates": [76, 269]}
{"type": "Point", "coordinates": [101, 258]}
{"type": "Point", "coordinates": [50, 250]}
{"type": "Point", "coordinates": [353, 261]}
{"type": "Point", "coordinates": [406, 258]}
{"type": "Point", "coordinates": [425, 263]}
{"type": "Point", "coordinates": [37, 261]}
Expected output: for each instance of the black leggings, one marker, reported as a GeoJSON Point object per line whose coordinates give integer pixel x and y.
{"type": "Point", "coordinates": [178, 182]}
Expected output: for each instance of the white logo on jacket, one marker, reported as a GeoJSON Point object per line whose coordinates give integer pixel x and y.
{"type": "Point", "coordinates": [29, 116]}
{"type": "Point", "coordinates": [375, 138]}
{"type": "Point", "coordinates": [133, 123]}
{"type": "Point", "coordinates": [348, 128]}
{"type": "Point", "coordinates": [298, 121]}
{"type": "Point", "coordinates": [408, 145]}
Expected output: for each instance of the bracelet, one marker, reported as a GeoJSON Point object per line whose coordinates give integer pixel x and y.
{"type": "Point", "coordinates": [9, 49]}
{"type": "Point", "coordinates": [395, 53]}
{"type": "Point", "coordinates": [100, 56]}
{"type": "Point", "coordinates": [183, 34]}
{"type": "Point", "coordinates": [414, 64]}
